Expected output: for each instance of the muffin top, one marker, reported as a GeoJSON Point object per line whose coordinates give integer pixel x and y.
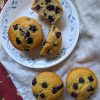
{"type": "Point", "coordinates": [47, 86]}
{"type": "Point", "coordinates": [81, 83]}
{"type": "Point", "coordinates": [25, 33]}
{"type": "Point", "coordinates": [53, 42]}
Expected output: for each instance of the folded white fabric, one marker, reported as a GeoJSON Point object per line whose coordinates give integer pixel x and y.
{"type": "Point", "coordinates": [86, 53]}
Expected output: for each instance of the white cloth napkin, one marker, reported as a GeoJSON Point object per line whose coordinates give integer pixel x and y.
{"type": "Point", "coordinates": [86, 53]}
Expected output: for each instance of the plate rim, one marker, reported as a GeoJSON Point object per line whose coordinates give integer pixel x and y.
{"type": "Point", "coordinates": [59, 60]}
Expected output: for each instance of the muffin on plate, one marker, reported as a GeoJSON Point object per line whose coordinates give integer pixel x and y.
{"type": "Point", "coordinates": [81, 83]}
{"type": "Point", "coordinates": [47, 86]}
{"type": "Point", "coordinates": [25, 33]}
{"type": "Point", "coordinates": [50, 10]}
{"type": "Point", "coordinates": [53, 42]}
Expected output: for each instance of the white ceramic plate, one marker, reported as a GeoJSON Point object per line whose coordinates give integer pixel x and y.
{"type": "Point", "coordinates": [68, 24]}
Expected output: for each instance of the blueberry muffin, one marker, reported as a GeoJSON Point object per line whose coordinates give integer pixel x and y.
{"type": "Point", "coordinates": [53, 43]}
{"type": "Point", "coordinates": [50, 10]}
{"type": "Point", "coordinates": [47, 86]}
{"type": "Point", "coordinates": [25, 33]}
{"type": "Point", "coordinates": [81, 83]}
